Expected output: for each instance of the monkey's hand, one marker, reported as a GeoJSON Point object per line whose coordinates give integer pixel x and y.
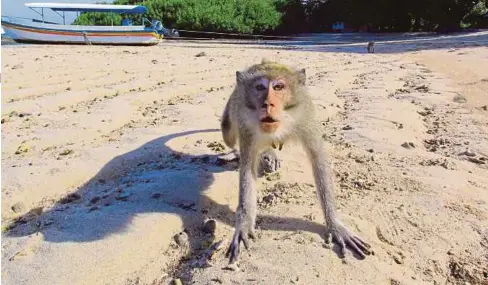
{"type": "Point", "coordinates": [343, 237]}
{"type": "Point", "coordinates": [269, 162]}
{"type": "Point", "coordinates": [243, 234]}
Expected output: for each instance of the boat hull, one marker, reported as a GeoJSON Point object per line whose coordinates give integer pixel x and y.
{"type": "Point", "coordinates": [61, 34]}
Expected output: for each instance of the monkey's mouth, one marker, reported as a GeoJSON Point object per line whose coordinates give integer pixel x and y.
{"type": "Point", "coordinates": [269, 124]}
{"type": "Point", "coordinates": [268, 119]}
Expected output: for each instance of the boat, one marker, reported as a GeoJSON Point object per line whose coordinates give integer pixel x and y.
{"type": "Point", "coordinates": [24, 30]}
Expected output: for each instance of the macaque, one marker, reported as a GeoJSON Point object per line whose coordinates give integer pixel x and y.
{"type": "Point", "coordinates": [269, 107]}
{"type": "Point", "coordinates": [371, 47]}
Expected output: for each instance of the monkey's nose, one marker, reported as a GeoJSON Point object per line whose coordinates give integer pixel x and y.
{"type": "Point", "coordinates": [266, 105]}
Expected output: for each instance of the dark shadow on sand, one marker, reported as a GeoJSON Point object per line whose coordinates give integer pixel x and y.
{"type": "Point", "coordinates": [151, 178]}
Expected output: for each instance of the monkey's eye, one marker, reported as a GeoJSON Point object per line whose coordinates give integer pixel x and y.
{"type": "Point", "coordinates": [279, 86]}
{"type": "Point", "coordinates": [260, 87]}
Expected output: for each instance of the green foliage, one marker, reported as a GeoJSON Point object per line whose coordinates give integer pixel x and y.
{"type": "Point", "coordinates": [475, 19]}
{"type": "Point", "coordinates": [249, 16]}
{"type": "Point", "coordinates": [398, 16]}
{"type": "Point", "coordinates": [98, 19]}
{"type": "Point", "coordinates": [294, 17]}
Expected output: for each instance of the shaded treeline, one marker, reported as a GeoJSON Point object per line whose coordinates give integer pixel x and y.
{"type": "Point", "coordinates": [286, 17]}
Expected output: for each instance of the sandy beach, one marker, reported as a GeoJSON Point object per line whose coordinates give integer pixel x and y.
{"type": "Point", "coordinates": [111, 165]}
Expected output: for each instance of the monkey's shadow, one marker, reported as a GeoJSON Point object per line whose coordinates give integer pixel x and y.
{"type": "Point", "coordinates": [150, 179]}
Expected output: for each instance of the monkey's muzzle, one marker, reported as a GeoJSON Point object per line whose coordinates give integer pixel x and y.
{"type": "Point", "coordinates": [269, 124]}
{"type": "Point", "coordinates": [268, 119]}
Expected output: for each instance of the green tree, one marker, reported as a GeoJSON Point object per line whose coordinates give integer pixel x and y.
{"type": "Point", "coordinates": [293, 17]}
{"type": "Point", "coordinates": [98, 19]}
{"type": "Point", "coordinates": [250, 16]}
{"type": "Point", "coordinates": [297, 16]}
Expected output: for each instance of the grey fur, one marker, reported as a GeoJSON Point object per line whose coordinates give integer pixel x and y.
{"type": "Point", "coordinates": [239, 123]}
{"type": "Point", "coordinates": [371, 47]}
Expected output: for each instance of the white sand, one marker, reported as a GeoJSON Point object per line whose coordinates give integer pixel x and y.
{"type": "Point", "coordinates": [136, 121]}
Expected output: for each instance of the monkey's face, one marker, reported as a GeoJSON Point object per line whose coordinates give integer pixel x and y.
{"type": "Point", "coordinates": [271, 93]}
{"type": "Point", "coordinates": [269, 97]}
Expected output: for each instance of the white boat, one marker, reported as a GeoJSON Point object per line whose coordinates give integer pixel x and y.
{"type": "Point", "coordinates": [40, 31]}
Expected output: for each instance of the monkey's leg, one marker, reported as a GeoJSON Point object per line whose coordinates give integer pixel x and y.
{"type": "Point", "coordinates": [247, 207]}
{"type": "Point", "coordinates": [324, 184]}
{"type": "Point", "coordinates": [269, 162]}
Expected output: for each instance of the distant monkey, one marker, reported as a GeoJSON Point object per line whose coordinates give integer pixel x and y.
{"type": "Point", "coordinates": [85, 37]}
{"type": "Point", "coordinates": [270, 106]}
{"type": "Point", "coordinates": [371, 47]}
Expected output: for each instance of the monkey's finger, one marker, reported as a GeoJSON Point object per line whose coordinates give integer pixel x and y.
{"type": "Point", "coordinates": [252, 235]}
{"type": "Point", "coordinates": [245, 241]}
{"type": "Point", "coordinates": [229, 250]}
{"type": "Point", "coordinates": [232, 246]}
{"type": "Point", "coordinates": [273, 145]}
{"type": "Point", "coordinates": [327, 236]}
{"type": "Point", "coordinates": [341, 243]}
{"type": "Point", "coordinates": [365, 244]}
{"type": "Point", "coordinates": [277, 164]}
{"type": "Point", "coordinates": [361, 246]}
{"type": "Point", "coordinates": [353, 246]}
{"type": "Point", "coordinates": [233, 253]}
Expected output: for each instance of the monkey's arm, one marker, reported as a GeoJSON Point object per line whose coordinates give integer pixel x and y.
{"type": "Point", "coordinates": [247, 207]}
{"type": "Point", "coordinates": [324, 184]}
{"type": "Point", "coordinates": [227, 127]}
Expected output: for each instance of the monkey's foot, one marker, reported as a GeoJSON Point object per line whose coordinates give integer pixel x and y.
{"type": "Point", "coordinates": [343, 237]}
{"type": "Point", "coordinates": [230, 157]}
{"type": "Point", "coordinates": [234, 247]}
{"type": "Point", "coordinates": [269, 162]}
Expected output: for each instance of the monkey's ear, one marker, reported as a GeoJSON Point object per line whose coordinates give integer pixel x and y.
{"type": "Point", "coordinates": [239, 77]}
{"type": "Point", "coordinates": [302, 77]}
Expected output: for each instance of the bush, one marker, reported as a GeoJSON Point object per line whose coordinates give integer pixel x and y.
{"type": "Point", "coordinates": [98, 19]}
{"type": "Point", "coordinates": [239, 16]}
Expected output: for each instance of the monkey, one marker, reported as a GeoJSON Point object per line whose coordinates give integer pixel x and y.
{"type": "Point", "coordinates": [371, 47]}
{"type": "Point", "coordinates": [270, 106]}
{"type": "Point", "coordinates": [85, 37]}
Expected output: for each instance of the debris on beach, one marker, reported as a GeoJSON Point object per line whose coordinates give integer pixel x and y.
{"type": "Point", "coordinates": [481, 160]}
{"type": "Point", "coordinates": [122, 196]}
{"type": "Point", "coordinates": [18, 207]}
{"type": "Point", "coordinates": [95, 200]}
{"type": "Point", "coordinates": [210, 227]}
{"type": "Point", "coordinates": [181, 239]}
{"type": "Point", "coordinates": [408, 145]}
{"type": "Point", "coordinates": [23, 148]}
{"type": "Point", "coordinates": [70, 198]}
{"type": "Point", "coordinates": [460, 99]}
{"type": "Point", "coordinates": [425, 112]}
{"type": "Point", "coordinates": [66, 152]}
{"type": "Point", "coordinates": [216, 146]}
{"type": "Point", "coordinates": [439, 161]}
{"type": "Point", "coordinates": [156, 195]}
